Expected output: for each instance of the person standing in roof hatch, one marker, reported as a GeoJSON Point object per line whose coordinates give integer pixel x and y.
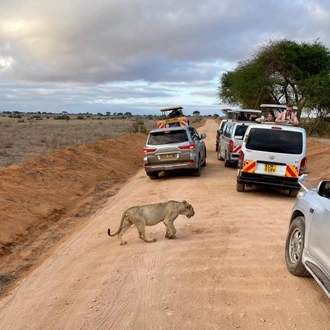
{"type": "Point", "coordinates": [270, 118]}
{"type": "Point", "coordinates": [287, 116]}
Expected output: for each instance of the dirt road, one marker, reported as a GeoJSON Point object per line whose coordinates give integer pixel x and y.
{"type": "Point", "coordinates": [225, 270]}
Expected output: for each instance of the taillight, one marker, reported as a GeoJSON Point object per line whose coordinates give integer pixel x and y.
{"type": "Point", "coordinates": [231, 146]}
{"type": "Point", "coordinates": [240, 160]}
{"type": "Point", "coordinates": [191, 145]}
{"type": "Point", "coordinates": [146, 150]}
{"type": "Point", "coordinates": [303, 163]}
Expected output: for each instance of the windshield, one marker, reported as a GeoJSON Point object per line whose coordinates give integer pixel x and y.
{"type": "Point", "coordinates": [273, 140]}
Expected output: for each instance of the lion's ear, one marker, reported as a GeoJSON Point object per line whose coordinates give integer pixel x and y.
{"type": "Point", "coordinates": [184, 201]}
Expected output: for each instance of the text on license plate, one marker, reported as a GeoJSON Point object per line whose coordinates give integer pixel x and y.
{"type": "Point", "coordinates": [270, 168]}
{"type": "Point", "coordinates": [168, 156]}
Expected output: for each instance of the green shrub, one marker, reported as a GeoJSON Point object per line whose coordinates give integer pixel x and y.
{"type": "Point", "coordinates": [318, 127]}
{"type": "Point", "coordinates": [62, 117]}
{"type": "Point", "coordinates": [138, 126]}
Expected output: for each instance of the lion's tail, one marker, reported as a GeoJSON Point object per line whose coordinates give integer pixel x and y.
{"type": "Point", "coordinates": [109, 233]}
{"type": "Point", "coordinates": [120, 226]}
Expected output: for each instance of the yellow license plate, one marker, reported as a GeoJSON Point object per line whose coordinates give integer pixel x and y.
{"type": "Point", "coordinates": [269, 168]}
{"type": "Point", "coordinates": [168, 156]}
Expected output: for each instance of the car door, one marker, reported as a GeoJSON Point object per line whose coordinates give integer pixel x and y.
{"type": "Point", "coordinates": [318, 241]}
{"type": "Point", "coordinates": [200, 145]}
{"type": "Point", "coordinates": [225, 138]}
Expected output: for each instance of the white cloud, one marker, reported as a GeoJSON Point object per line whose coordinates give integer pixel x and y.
{"type": "Point", "coordinates": [97, 52]}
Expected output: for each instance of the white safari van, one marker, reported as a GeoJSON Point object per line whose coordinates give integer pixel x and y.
{"type": "Point", "coordinates": [272, 155]}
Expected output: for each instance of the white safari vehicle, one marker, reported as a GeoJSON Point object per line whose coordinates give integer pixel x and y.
{"type": "Point", "coordinates": [172, 117]}
{"type": "Point", "coordinates": [307, 247]}
{"type": "Point", "coordinates": [272, 155]}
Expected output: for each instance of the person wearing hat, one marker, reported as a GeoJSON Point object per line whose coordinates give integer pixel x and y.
{"type": "Point", "coordinates": [287, 116]}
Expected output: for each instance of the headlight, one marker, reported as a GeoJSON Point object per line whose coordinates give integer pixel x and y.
{"type": "Point", "coordinates": [301, 194]}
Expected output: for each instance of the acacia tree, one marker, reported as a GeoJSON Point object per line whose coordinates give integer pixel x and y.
{"type": "Point", "coordinates": [281, 72]}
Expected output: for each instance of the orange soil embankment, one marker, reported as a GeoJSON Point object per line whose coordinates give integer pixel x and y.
{"type": "Point", "coordinates": [71, 183]}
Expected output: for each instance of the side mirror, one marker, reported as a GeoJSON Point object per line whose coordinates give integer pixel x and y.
{"type": "Point", "coordinates": [323, 189]}
{"type": "Point", "coordinates": [203, 136]}
{"type": "Point", "coordinates": [302, 178]}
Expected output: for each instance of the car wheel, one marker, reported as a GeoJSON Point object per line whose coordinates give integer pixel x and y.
{"type": "Point", "coordinates": [293, 192]}
{"type": "Point", "coordinates": [204, 162]}
{"type": "Point", "coordinates": [153, 175]}
{"type": "Point", "coordinates": [219, 153]}
{"type": "Point", "coordinates": [226, 163]}
{"type": "Point", "coordinates": [197, 171]}
{"type": "Point", "coordinates": [294, 246]}
{"type": "Point", "coordinates": [240, 187]}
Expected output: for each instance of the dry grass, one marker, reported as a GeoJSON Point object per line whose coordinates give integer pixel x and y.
{"type": "Point", "coordinates": [22, 139]}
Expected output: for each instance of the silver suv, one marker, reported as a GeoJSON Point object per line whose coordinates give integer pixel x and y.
{"type": "Point", "coordinates": [172, 149]}
{"type": "Point", "coordinates": [230, 141]}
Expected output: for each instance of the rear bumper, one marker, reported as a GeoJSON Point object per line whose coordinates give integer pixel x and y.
{"type": "Point", "coordinates": [268, 181]}
{"type": "Point", "coordinates": [170, 167]}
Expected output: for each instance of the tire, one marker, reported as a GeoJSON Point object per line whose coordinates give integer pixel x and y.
{"type": "Point", "coordinates": [226, 163]}
{"type": "Point", "coordinates": [293, 192]}
{"type": "Point", "coordinates": [153, 175]}
{"type": "Point", "coordinates": [204, 162]}
{"type": "Point", "coordinates": [240, 187]}
{"type": "Point", "coordinates": [218, 153]}
{"type": "Point", "coordinates": [294, 246]}
{"type": "Point", "coordinates": [197, 171]}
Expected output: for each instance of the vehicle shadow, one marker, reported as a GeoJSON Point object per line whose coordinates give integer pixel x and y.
{"type": "Point", "coordinates": [267, 192]}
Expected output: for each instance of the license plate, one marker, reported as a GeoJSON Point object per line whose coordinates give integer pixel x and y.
{"type": "Point", "coordinates": [269, 168]}
{"type": "Point", "coordinates": [168, 156]}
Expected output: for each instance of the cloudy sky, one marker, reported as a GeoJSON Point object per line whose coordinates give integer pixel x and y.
{"type": "Point", "coordinates": [138, 55]}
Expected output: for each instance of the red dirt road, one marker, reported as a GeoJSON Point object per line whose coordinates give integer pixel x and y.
{"type": "Point", "coordinates": [225, 270]}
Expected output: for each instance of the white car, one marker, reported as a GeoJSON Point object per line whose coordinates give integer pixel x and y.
{"type": "Point", "coordinates": [307, 247]}
{"type": "Point", "coordinates": [272, 155]}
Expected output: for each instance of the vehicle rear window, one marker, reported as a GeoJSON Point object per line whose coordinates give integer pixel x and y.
{"type": "Point", "coordinates": [240, 131]}
{"type": "Point", "coordinates": [167, 137]}
{"type": "Point", "coordinates": [273, 140]}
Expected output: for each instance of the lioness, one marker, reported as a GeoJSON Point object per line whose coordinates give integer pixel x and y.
{"type": "Point", "coordinates": [151, 214]}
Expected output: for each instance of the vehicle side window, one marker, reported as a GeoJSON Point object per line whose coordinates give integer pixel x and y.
{"type": "Point", "coordinates": [240, 131]}
{"type": "Point", "coordinates": [228, 130]}
{"type": "Point", "coordinates": [324, 189]}
{"type": "Point", "coordinates": [194, 134]}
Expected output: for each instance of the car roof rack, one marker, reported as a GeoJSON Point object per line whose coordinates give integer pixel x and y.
{"type": "Point", "coordinates": [276, 106]}
{"type": "Point", "coordinates": [172, 108]}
